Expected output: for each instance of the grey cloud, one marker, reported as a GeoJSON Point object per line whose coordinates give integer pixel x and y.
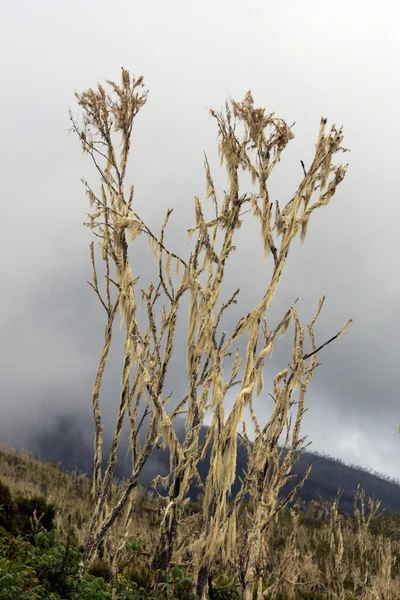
{"type": "Point", "coordinates": [303, 60]}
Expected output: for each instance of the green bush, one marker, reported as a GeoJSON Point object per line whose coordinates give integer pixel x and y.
{"type": "Point", "coordinates": [26, 508]}
{"type": "Point", "coordinates": [8, 507]}
{"type": "Point", "coordinates": [175, 584]}
{"type": "Point", "coordinates": [5, 494]}
{"type": "Point", "coordinates": [48, 569]}
{"type": "Point", "coordinates": [100, 568]}
{"type": "Point", "coordinates": [226, 588]}
{"type": "Point", "coordinates": [138, 574]}
{"type": "Point", "coordinates": [16, 513]}
{"type": "Point", "coordinates": [44, 568]}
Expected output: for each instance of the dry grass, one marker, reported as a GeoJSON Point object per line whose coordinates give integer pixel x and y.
{"type": "Point", "coordinates": [315, 549]}
{"type": "Point", "coordinates": [70, 493]}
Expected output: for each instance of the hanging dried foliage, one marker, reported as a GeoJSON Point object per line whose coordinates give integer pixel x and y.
{"type": "Point", "coordinates": [250, 140]}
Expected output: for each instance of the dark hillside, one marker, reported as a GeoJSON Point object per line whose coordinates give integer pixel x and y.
{"type": "Point", "coordinates": [67, 444]}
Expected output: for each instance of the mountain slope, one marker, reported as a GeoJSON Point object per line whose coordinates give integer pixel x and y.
{"type": "Point", "coordinates": [66, 443]}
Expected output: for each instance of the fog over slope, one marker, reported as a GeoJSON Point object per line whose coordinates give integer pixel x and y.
{"type": "Point", "coordinates": [67, 445]}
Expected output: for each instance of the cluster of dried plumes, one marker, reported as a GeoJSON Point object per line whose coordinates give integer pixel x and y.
{"type": "Point", "coordinates": [250, 140]}
{"type": "Point", "coordinates": [320, 549]}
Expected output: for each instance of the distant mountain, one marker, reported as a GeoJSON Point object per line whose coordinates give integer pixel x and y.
{"type": "Point", "coordinates": [329, 474]}
{"type": "Point", "coordinates": [66, 443]}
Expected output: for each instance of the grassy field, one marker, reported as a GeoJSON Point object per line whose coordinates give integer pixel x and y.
{"type": "Point", "coordinates": [314, 548]}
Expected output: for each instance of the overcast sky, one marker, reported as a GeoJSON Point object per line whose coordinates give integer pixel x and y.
{"type": "Point", "coordinates": [303, 60]}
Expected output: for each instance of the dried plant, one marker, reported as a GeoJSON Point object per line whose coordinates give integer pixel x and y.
{"type": "Point", "coordinates": [337, 568]}
{"type": "Point", "coordinates": [250, 140]}
{"type": "Point", "coordinates": [363, 519]}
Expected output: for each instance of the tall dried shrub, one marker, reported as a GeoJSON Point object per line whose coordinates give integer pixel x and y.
{"type": "Point", "coordinates": [250, 140]}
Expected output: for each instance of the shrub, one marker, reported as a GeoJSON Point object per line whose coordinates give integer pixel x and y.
{"type": "Point", "coordinates": [138, 574]}
{"type": "Point", "coordinates": [26, 508]}
{"type": "Point", "coordinates": [47, 569]}
{"type": "Point", "coordinates": [175, 584]}
{"type": "Point", "coordinates": [226, 588]}
{"type": "Point", "coordinates": [100, 568]}
{"type": "Point", "coordinates": [8, 507]}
